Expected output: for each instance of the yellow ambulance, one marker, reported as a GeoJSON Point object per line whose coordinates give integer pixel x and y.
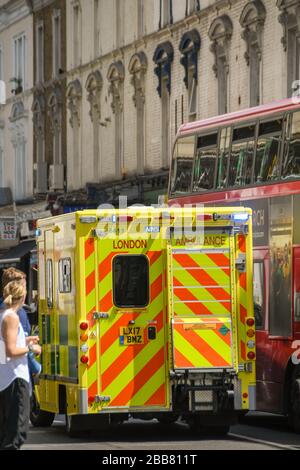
{"type": "Point", "coordinates": [146, 313]}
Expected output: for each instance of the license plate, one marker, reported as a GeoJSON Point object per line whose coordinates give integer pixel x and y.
{"type": "Point", "coordinates": [131, 335]}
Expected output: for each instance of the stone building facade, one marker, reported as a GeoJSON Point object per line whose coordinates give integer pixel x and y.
{"type": "Point", "coordinates": [49, 105]}
{"type": "Point", "coordinates": [16, 72]}
{"type": "Point", "coordinates": [138, 69]}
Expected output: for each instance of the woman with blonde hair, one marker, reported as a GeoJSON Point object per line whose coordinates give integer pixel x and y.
{"type": "Point", "coordinates": [14, 372]}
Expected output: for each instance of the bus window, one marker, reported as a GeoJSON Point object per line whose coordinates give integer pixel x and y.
{"type": "Point", "coordinates": [268, 151]}
{"type": "Point", "coordinates": [223, 157]}
{"type": "Point", "coordinates": [258, 293]}
{"type": "Point", "coordinates": [182, 165]}
{"type": "Point", "coordinates": [241, 158]}
{"type": "Point", "coordinates": [291, 162]}
{"type": "Point", "coordinates": [205, 163]}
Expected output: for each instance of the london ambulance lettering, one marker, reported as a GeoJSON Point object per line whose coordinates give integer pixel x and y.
{"type": "Point", "coordinates": [201, 290]}
{"type": "Point", "coordinates": [129, 244]}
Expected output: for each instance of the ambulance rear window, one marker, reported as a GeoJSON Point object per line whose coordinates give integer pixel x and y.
{"type": "Point", "coordinates": [131, 281]}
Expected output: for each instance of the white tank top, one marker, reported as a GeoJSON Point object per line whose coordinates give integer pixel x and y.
{"type": "Point", "coordinates": [12, 368]}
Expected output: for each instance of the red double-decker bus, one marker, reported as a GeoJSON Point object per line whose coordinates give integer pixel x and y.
{"type": "Point", "coordinates": [252, 158]}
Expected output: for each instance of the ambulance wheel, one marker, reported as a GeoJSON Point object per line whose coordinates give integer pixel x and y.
{"type": "Point", "coordinates": [39, 418]}
{"type": "Point", "coordinates": [294, 405]}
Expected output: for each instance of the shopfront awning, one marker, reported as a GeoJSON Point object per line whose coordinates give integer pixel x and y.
{"type": "Point", "coordinates": [15, 254]}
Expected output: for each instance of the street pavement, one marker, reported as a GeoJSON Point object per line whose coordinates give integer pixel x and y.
{"type": "Point", "coordinates": [259, 431]}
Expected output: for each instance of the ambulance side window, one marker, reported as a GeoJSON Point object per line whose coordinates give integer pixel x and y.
{"type": "Point", "coordinates": [131, 281]}
{"type": "Point", "coordinates": [49, 281]}
{"type": "Point", "coordinates": [64, 275]}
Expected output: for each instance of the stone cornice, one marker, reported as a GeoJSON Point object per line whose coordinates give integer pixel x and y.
{"type": "Point", "coordinates": [14, 11]}
{"type": "Point", "coordinates": [40, 4]}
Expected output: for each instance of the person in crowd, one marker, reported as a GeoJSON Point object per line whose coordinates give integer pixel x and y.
{"type": "Point", "coordinates": [14, 274]}
{"type": "Point", "coordinates": [14, 370]}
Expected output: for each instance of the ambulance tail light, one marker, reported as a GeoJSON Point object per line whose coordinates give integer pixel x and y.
{"type": "Point", "coordinates": [251, 355]}
{"type": "Point", "coordinates": [250, 333]}
{"type": "Point", "coordinates": [84, 359]}
{"type": "Point", "coordinates": [84, 326]}
{"type": "Point", "coordinates": [250, 321]}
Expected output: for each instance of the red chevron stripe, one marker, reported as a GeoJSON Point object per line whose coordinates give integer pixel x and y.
{"type": "Point", "coordinates": [127, 355]}
{"type": "Point", "coordinates": [139, 380]}
{"type": "Point", "coordinates": [185, 295]}
{"type": "Point", "coordinates": [242, 243]}
{"type": "Point", "coordinates": [181, 361]}
{"type": "Point", "coordinates": [90, 317]}
{"type": "Point", "coordinates": [202, 347]}
{"type": "Point", "coordinates": [105, 266]}
{"type": "Point", "coordinates": [153, 256]}
{"type": "Point", "coordinates": [89, 248]}
{"type": "Point", "coordinates": [106, 303]}
{"type": "Point", "coordinates": [156, 287]}
{"type": "Point", "coordinates": [92, 391]}
{"type": "Point", "coordinates": [243, 280]}
{"type": "Point", "coordinates": [243, 350]}
{"type": "Point", "coordinates": [90, 283]}
{"type": "Point", "coordinates": [158, 398]}
{"type": "Point", "coordinates": [92, 355]}
{"type": "Point", "coordinates": [243, 314]}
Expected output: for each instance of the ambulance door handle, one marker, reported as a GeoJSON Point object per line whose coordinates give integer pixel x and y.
{"type": "Point", "coordinates": [100, 316]}
{"type": "Point", "coordinates": [151, 332]}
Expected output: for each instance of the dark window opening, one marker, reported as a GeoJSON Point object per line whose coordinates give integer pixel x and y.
{"type": "Point", "coordinates": [291, 162]}
{"type": "Point", "coordinates": [64, 275]}
{"type": "Point", "coordinates": [131, 281]}
{"type": "Point", "coordinates": [259, 293]}
{"type": "Point", "coordinates": [241, 159]}
{"type": "Point", "coordinates": [182, 165]}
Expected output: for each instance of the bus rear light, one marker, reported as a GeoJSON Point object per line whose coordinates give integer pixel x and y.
{"type": "Point", "coordinates": [251, 355]}
{"type": "Point", "coordinates": [84, 325]}
{"type": "Point", "coordinates": [250, 322]}
{"type": "Point", "coordinates": [84, 337]}
{"type": "Point", "coordinates": [250, 333]}
{"type": "Point", "coordinates": [84, 359]}
{"type": "Point", "coordinates": [245, 395]}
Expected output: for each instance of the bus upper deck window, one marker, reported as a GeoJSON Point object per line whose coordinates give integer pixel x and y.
{"type": "Point", "coordinates": [205, 162]}
{"type": "Point", "coordinates": [268, 151]}
{"type": "Point", "coordinates": [182, 165]}
{"type": "Point", "coordinates": [223, 159]}
{"type": "Point", "coordinates": [241, 158]}
{"type": "Point", "coordinates": [291, 161]}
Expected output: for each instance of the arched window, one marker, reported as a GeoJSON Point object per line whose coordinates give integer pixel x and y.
{"type": "Point", "coordinates": [74, 98]}
{"type": "Point", "coordinates": [252, 21]}
{"type": "Point", "coordinates": [220, 33]}
{"type": "Point", "coordinates": [115, 76]}
{"type": "Point", "coordinates": [137, 68]}
{"type": "Point", "coordinates": [290, 20]}
{"type": "Point", "coordinates": [189, 47]}
{"type": "Point", "coordinates": [163, 58]}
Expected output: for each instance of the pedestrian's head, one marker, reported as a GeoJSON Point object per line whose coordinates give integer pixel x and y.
{"type": "Point", "coordinates": [14, 294]}
{"type": "Point", "coordinates": [13, 274]}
